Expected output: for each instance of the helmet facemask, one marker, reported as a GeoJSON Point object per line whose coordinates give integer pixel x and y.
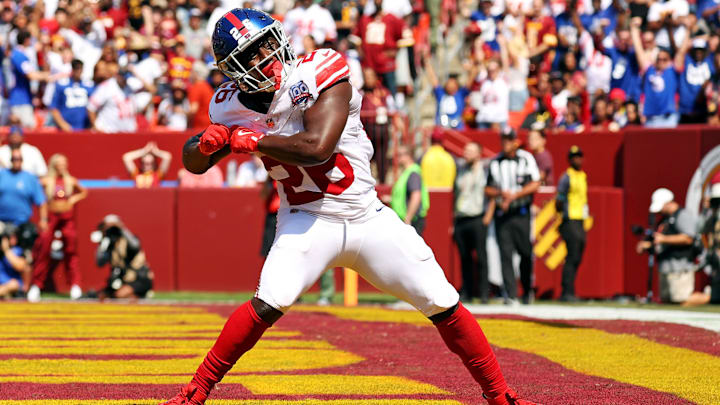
{"type": "Point", "coordinates": [266, 75]}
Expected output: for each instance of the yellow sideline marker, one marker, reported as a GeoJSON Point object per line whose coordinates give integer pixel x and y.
{"type": "Point", "coordinates": [351, 287]}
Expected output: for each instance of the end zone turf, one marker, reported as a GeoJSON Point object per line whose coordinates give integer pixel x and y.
{"type": "Point", "coordinates": [70, 353]}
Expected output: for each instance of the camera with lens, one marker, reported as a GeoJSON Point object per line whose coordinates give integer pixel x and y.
{"type": "Point", "coordinates": [646, 234]}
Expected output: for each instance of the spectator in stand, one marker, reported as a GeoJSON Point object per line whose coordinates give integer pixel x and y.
{"type": "Point", "coordinates": [309, 18]}
{"type": "Point", "coordinates": [33, 161]}
{"type": "Point", "coordinates": [179, 64]}
{"type": "Point", "coordinates": [212, 178]}
{"type": "Point", "coordinates": [485, 24]}
{"type": "Point", "coordinates": [150, 173]}
{"type": "Point", "coordinates": [450, 98]}
{"type": "Point", "coordinates": [173, 111]}
{"type": "Point", "coordinates": [438, 166]}
{"type": "Point", "coordinates": [633, 114]}
{"type": "Point", "coordinates": [62, 191]}
{"type": "Point", "coordinates": [381, 34]}
{"type": "Point", "coordinates": [20, 191]}
{"type": "Point", "coordinates": [251, 173]}
{"type": "Point", "coordinates": [378, 115]}
{"type": "Point", "coordinates": [493, 99]}
{"type": "Point", "coordinates": [666, 20]}
{"type": "Point", "coordinates": [472, 217]}
{"type": "Point", "coordinates": [571, 201]}
{"type": "Point", "coordinates": [13, 265]}
{"type": "Point", "coordinates": [410, 198]}
{"type": "Point", "coordinates": [625, 68]}
{"type": "Point", "coordinates": [695, 72]}
{"type": "Point", "coordinates": [601, 120]}
{"type": "Point", "coordinates": [513, 178]}
{"type": "Point", "coordinates": [112, 107]}
{"type": "Point", "coordinates": [617, 101]}
{"type": "Point", "coordinates": [537, 139]}
{"type": "Point", "coordinates": [194, 35]}
{"type": "Point", "coordinates": [601, 20]}
{"type": "Point", "coordinates": [660, 83]}
{"type": "Point", "coordinates": [598, 70]}
{"type": "Point", "coordinates": [576, 119]}
{"type": "Point", "coordinates": [70, 101]}
{"type": "Point", "coordinates": [541, 37]}
{"type": "Point", "coordinates": [200, 94]}
{"type": "Point", "coordinates": [20, 74]}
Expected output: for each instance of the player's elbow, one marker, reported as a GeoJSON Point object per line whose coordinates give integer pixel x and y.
{"type": "Point", "coordinates": [316, 153]}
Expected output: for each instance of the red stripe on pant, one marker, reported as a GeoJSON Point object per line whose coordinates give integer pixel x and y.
{"type": "Point", "coordinates": [41, 251]}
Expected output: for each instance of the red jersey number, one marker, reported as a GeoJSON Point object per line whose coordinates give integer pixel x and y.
{"type": "Point", "coordinates": [225, 93]}
{"type": "Point", "coordinates": [318, 175]}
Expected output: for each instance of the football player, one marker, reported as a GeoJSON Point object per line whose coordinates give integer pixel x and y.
{"type": "Point", "coordinates": [303, 118]}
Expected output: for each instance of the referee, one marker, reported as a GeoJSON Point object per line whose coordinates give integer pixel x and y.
{"type": "Point", "coordinates": [513, 178]}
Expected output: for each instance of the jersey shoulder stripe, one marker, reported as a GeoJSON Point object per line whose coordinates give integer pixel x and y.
{"type": "Point", "coordinates": [331, 67]}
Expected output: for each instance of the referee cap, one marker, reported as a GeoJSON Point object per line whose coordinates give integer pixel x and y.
{"type": "Point", "coordinates": [574, 151]}
{"type": "Point", "coordinates": [660, 197]}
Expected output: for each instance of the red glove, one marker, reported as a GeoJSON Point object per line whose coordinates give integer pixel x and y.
{"type": "Point", "coordinates": [214, 138]}
{"type": "Point", "coordinates": [245, 140]}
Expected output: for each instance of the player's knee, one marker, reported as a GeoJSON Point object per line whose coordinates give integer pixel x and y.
{"type": "Point", "coordinates": [266, 312]}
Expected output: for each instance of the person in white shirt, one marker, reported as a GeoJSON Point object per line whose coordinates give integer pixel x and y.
{"type": "Point", "coordinates": [676, 11]}
{"type": "Point", "coordinates": [33, 160]}
{"type": "Point", "coordinates": [112, 106]}
{"type": "Point", "coordinates": [251, 173]}
{"type": "Point", "coordinates": [173, 110]}
{"type": "Point", "coordinates": [309, 19]}
{"type": "Point", "coordinates": [493, 100]}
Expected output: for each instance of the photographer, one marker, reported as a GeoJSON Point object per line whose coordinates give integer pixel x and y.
{"type": "Point", "coordinates": [12, 262]}
{"type": "Point", "coordinates": [711, 239]}
{"type": "Point", "coordinates": [130, 276]}
{"type": "Point", "coordinates": [673, 244]}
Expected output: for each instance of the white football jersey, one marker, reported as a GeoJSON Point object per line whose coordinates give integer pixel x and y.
{"type": "Point", "coordinates": [342, 187]}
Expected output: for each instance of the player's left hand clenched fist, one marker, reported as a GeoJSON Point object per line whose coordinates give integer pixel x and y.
{"type": "Point", "coordinates": [214, 138]}
{"type": "Point", "coordinates": [245, 140]}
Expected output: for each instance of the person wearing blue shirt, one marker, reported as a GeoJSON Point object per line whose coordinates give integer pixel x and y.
{"type": "Point", "coordinates": [709, 10]}
{"type": "Point", "coordinates": [694, 71]}
{"type": "Point", "coordinates": [625, 74]}
{"type": "Point", "coordinates": [450, 99]}
{"type": "Point", "coordinates": [601, 19]}
{"type": "Point", "coordinates": [660, 83]}
{"type": "Point", "coordinates": [19, 192]}
{"type": "Point", "coordinates": [21, 72]}
{"type": "Point", "coordinates": [69, 103]}
{"type": "Point", "coordinates": [486, 23]}
{"type": "Point", "coordinates": [13, 265]}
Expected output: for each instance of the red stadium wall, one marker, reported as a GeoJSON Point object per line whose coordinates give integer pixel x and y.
{"type": "Point", "coordinates": [209, 240]}
{"type": "Point", "coordinates": [653, 159]}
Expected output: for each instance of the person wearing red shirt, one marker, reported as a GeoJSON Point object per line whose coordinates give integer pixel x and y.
{"type": "Point", "coordinates": [199, 94]}
{"type": "Point", "coordinates": [381, 35]}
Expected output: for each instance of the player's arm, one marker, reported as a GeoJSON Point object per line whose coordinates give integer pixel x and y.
{"type": "Point", "coordinates": [197, 162]}
{"type": "Point", "coordinates": [324, 123]}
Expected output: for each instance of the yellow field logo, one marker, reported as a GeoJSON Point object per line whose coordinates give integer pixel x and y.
{"type": "Point", "coordinates": [548, 243]}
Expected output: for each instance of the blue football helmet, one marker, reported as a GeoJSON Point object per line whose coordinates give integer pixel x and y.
{"type": "Point", "coordinates": [245, 29]}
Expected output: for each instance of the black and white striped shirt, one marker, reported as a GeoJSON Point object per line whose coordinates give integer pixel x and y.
{"type": "Point", "coordinates": [512, 174]}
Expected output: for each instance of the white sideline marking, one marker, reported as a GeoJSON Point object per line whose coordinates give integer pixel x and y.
{"type": "Point", "coordinates": [704, 320]}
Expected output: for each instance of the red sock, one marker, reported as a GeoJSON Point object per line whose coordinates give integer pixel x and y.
{"type": "Point", "coordinates": [241, 331]}
{"type": "Point", "coordinates": [464, 337]}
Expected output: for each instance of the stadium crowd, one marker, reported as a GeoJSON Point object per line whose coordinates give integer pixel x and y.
{"type": "Point", "coordinates": [575, 65]}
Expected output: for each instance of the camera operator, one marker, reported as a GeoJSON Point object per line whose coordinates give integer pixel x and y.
{"type": "Point", "coordinates": [711, 239]}
{"type": "Point", "coordinates": [12, 262]}
{"type": "Point", "coordinates": [130, 276]}
{"type": "Point", "coordinates": [673, 243]}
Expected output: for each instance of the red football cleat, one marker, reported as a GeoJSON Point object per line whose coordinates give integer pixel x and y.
{"type": "Point", "coordinates": [189, 395]}
{"type": "Point", "coordinates": [510, 397]}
